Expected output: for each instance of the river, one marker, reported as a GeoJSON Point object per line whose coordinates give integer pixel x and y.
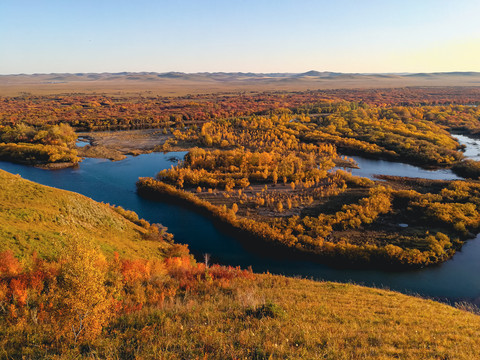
{"type": "Point", "coordinates": [472, 146]}
{"type": "Point", "coordinates": [369, 168]}
{"type": "Point", "coordinates": [114, 182]}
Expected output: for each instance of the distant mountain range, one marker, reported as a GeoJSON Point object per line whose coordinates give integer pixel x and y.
{"type": "Point", "coordinates": [176, 83]}
{"type": "Point", "coordinates": [232, 76]}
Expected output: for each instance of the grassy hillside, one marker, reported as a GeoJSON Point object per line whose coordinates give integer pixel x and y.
{"type": "Point", "coordinates": [38, 218]}
{"type": "Point", "coordinates": [281, 318]}
{"type": "Point", "coordinates": [86, 305]}
{"type": "Point", "coordinates": [177, 309]}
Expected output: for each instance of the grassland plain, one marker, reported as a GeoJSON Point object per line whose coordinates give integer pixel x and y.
{"type": "Point", "coordinates": [171, 307]}
{"type": "Point", "coordinates": [177, 84]}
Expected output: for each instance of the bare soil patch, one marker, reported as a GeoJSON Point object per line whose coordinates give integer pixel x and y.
{"type": "Point", "coordinates": [114, 145]}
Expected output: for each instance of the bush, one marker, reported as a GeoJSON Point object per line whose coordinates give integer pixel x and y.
{"type": "Point", "coordinates": [269, 309]}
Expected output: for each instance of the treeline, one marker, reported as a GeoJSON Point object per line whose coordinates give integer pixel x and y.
{"type": "Point", "coordinates": [398, 133]}
{"type": "Point", "coordinates": [239, 168]}
{"type": "Point", "coordinates": [100, 112]}
{"type": "Point", "coordinates": [42, 145]}
{"type": "Point", "coordinates": [456, 118]}
{"type": "Point", "coordinates": [61, 135]}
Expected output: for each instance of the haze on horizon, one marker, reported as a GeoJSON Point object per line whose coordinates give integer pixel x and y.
{"type": "Point", "coordinates": [370, 36]}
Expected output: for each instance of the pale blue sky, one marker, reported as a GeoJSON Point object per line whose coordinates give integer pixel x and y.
{"type": "Point", "coordinates": [44, 36]}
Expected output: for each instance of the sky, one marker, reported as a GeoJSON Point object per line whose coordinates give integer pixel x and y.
{"type": "Point", "coordinates": [353, 36]}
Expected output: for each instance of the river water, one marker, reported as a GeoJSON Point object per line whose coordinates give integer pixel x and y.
{"type": "Point", "coordinates": [369, 168]}
{"type": "Point", "coordinates": [472, 146]}
{"type": "Point", "coordinates": [114, 182]}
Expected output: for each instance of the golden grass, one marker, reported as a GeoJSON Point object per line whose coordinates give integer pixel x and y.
{"type": "Point", "coordinates": [310, 320]}
{"type": "Point", "coordinates": [38, 218]}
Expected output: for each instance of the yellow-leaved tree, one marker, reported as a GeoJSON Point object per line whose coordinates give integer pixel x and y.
{"type": "Point", "coordinates": [83, 302]}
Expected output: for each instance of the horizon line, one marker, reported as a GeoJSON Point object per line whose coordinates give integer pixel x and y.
{"type": "Point", "coordinates": [243, 72]}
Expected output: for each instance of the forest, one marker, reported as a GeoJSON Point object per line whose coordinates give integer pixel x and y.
{"type": "Point", "coordinates": [41, 145]}
{"type": "Point", "coordinates": [452, 105]}
{"type": "Point", "coordinates": [411, 125]}
{"type": "Point", "coordinates": [276, 178]}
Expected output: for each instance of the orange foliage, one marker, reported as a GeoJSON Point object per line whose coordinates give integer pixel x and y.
{"type": "Point", "coordinates": [65, 297]}
{"type": "Point", "coordinates": [9, 265]}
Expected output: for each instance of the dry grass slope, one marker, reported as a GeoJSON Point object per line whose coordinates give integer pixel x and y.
{"type": "Point", "coordinates": [38, 218]}
{"type": "Point", "coordinates": [282, 318]}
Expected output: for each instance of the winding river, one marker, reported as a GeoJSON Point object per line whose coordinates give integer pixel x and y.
{"type": "Point", "coordinates": [369, 168]}
{"type": "Point", "coordinates": [114, 182]}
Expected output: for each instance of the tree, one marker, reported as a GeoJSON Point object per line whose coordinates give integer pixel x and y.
{"type": "Point", "coordinates": [274, 177]}
{"type": "Point", "coordinates": [83, 302]}
{"type": "Point", "coordinates": [279, 206]}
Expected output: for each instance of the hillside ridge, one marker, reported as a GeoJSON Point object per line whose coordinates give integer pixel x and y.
{"type": "Point", "coordinates": [39, 218]}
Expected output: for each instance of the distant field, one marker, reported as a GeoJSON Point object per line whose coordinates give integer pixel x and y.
{"type": "Point", "coordinates": [178, 84]}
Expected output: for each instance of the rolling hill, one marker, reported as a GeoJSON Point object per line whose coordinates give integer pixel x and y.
{"type": "Point", "coordinates": [38, 218]}
{"type": "Point", "coordinates": [179, 83]}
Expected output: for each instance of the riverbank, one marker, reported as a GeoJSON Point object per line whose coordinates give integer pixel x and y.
{"type": "Point", "coordinates": [127, 141]}
{"type": "Point", "coordinates": [40, 155]}
{"type": "Point", "coordinates": [396, 240]}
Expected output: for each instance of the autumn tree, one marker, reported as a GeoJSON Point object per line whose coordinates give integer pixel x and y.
{"type": "Point", "coordinates": [83, 302]}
